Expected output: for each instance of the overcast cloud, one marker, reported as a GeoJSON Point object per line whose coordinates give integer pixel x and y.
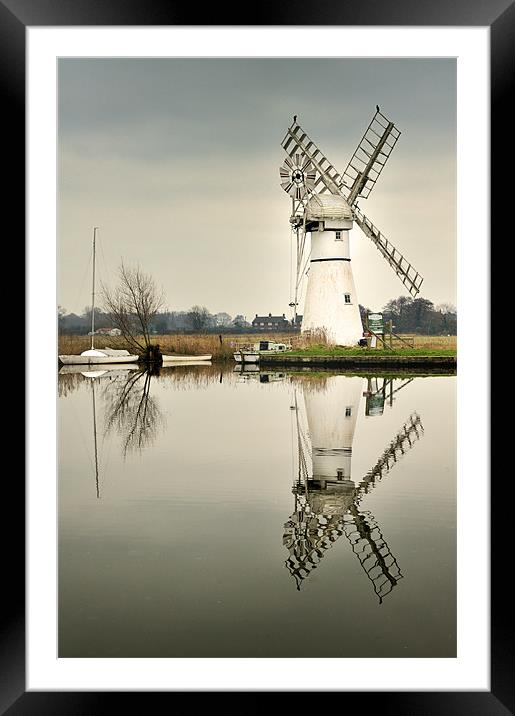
{"type": "Point", "coordinates": [176, 160]}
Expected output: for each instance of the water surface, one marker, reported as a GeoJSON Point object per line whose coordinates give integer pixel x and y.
{"type": "Point", "coordinates": [209, 513]}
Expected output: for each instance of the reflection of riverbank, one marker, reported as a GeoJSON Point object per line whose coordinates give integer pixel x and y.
{"type": "Point", "coordinates": [190, 375]}
{"type": "Point", "coordinates": [198, 376]}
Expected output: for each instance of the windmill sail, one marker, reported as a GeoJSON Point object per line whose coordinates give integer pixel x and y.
{"type": "Point", "coordinates": [358, 180]}
{"type": "Point", "coordinates": [408, 435]}
{"type": "Point", "coordinates": [373, 552]}
{"type": "Point", "coordinates": [308, 536]}
{"type": "Point", "coordinates": [409, 276]}
{"type": "Point", "coordinates": [297, 141]}
{"type": "Point", "coordinates": [371, 155]}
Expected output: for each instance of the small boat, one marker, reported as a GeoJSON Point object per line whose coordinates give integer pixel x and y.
{"type": "Point", "coordinates": [176, 358]}
{"type": "Point", "coordinates": [94, 356]}
{"type": "Point", "coordinates": [250, 353]}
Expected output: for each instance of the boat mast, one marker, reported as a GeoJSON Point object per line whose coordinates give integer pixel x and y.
{"type": "Point", "coordinates": [93, 293]}
{"type": "Point", "coordinates": [95, 435]}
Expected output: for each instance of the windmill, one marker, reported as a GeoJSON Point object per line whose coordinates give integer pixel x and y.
{"type": "Point", "coordinates": [327, 499]}
{"type": "Point", "coordinates": [324, 204]}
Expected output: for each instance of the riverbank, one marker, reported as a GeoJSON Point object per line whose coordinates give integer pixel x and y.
{"type": "Point", "coordinates": [367, 359]}
{"type": "Point", "coordinates": [222, 347]}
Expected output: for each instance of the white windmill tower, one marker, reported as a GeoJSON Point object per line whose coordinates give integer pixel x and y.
{"type": "Point", "coordinates": [324, 205]}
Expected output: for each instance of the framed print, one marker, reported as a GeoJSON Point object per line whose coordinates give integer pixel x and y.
{"type": "Point", "coordinates": [166, 551]}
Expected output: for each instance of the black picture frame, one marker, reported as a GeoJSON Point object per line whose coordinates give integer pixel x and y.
{"type": "Point", "coordinates": [15, 17]}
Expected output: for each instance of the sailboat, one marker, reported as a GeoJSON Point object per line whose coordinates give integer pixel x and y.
{"type": "Point", "coordinates": [96, 356]}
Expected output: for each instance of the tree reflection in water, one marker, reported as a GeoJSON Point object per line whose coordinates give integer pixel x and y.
{"type": "Point", "coordinates": [132, 411]}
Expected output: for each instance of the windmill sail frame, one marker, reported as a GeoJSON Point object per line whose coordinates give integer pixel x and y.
{"type": "Point", "coordinates": [370, 157]}
{"type": "Point", "coordinates": [358, 180]}
{"type": "Point", "coordinates": [407, 273]}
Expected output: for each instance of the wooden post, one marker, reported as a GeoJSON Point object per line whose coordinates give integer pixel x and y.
{"type": "Point", "coordinates": [390, 324]}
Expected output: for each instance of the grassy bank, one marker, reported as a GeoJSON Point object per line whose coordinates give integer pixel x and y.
{"type": "Point", "coordinates": [335, 351]}
{"type": "Point", "coordinates": [201, 344]}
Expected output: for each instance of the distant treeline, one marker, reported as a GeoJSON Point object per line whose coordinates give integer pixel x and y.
{"type": "Point", "coordinates": [407, 314]}
{"type": "Point", "coordinates": [419, 315]}
{"type": "Point", "coordinates": [197, 320]}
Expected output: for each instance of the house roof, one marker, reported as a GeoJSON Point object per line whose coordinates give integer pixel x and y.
{"type": "Point", "coordinates": [271, 318]}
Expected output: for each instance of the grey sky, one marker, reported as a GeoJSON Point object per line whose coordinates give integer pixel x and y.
{"type": "Point", "coordinates": [176, 160]}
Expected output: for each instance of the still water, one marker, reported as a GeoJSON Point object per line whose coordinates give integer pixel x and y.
{"type": "Point", "coordinates": [209, 513]}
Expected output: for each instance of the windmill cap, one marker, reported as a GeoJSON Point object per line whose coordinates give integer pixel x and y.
{"type": "Point", "coordinates": [328, 206]}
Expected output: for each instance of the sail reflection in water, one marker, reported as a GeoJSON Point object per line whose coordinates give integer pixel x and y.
{"type": "Point", "coordinates": [327, 498]}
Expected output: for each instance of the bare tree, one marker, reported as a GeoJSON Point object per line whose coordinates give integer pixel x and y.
{"type": "Point", "coordinates": [132, 305]}
{"type": "Point", "coordinates": [200, 317]}
{"type": "Point", "coordinates": [446, 308]}
{"type": "Point", "coordinates": [61, 313]}
{"type": "Point", "coordinates": [222, 319]}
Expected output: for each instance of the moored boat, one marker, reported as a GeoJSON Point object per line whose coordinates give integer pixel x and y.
{"type": "Point", "coordinates": [94, 356]}
{"type": "Point", "coordinates": [100, 368]}
{"type": "Point", "coordinates": [250, 353]}
{"type": "Point", "coordinates": [176, 358]}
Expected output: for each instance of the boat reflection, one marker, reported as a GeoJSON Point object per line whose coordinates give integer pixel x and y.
{"type": "Point", "coordinates": [327, 498]}
{"type": "Point", "coordinates": [70, 377]}
{"type": "Point", "coordinates": [129, 408]}
{"type": "Point", "coordinates": [251, 372]}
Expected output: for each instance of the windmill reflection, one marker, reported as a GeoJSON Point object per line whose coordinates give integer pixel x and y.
{"type": "Point", "coordinates": [327, 500]}
{"type": "Point", "coordinates": [380, 391]}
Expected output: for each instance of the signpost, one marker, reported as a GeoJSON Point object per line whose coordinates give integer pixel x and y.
{"type": "Point", "coordinates": [376, 326]}
{"type": "Point", "coordinates": [375, 323]}
{"type": "Point", "coordinates": [379, 329]}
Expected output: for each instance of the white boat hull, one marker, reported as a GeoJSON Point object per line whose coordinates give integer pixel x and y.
{"type": "Point", "coordinates": [184, 359]}
{"type": "Point", "coordinates": [96, 360]}
{"type": "Point", "coordinates": [112, 368]}
{"type": "Point", "coordinates": [178, 363]}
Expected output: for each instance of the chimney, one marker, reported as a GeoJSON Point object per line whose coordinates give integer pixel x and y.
{"type": "Point", "coordinates": [269, 315]}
